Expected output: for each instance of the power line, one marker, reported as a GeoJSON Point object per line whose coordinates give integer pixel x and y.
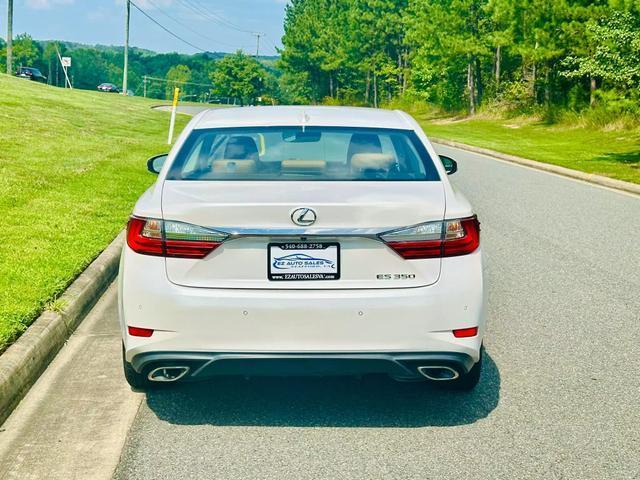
{"type": "Point", "coordinates": [219, 17]}
{"type": "Point", "coordinates": [275, 49]}
{"type": "Point", "coordinates": [175, 20]}
{"type": "Point", "coordinates": [166, 29]}
{"type": "Point", "coordinates": [202, 10]}
{"type": "Point", "coordinates": [178, 81]}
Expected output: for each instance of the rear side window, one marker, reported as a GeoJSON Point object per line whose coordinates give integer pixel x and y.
{"type": "Point", "coordinates": [303, 153]}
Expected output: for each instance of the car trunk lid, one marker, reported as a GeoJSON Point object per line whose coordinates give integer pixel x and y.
{"type": "Point", "coordinates": [259, 217]}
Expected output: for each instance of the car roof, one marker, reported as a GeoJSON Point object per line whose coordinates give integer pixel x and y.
{"type": "Point", "coordinates": [303, 115]}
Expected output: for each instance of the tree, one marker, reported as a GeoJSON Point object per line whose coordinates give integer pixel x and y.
{"type": "Point", "coordinates": [177, 77]}
{"type": "Point", "coordinates": [50, 59]}
{"type": "Point", "coordinates": [239, 76]}
{"type": "Point", "coordinates": [345, 50]}
{"type": "Point", "coordinates": [452, 33]}
{"type": "Point", "coordinates": [379, 51]}
{"type": "Point", "coordinates": [25, 51]}
{"type": "Point", "coordinates": [615, 57]}
{"type": "Point", "coordinates": [305, 57]}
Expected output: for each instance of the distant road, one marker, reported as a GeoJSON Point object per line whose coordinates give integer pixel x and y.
{"type": "Point", "coordinates": [191, 109]}
{"type": "Point", "coordinates": [559, 397]}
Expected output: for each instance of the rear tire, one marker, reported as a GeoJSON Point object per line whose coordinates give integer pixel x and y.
{"type": "Point", "coordinates": [136, 380]}
{"type": "Point", "coordinates": [469, 380]}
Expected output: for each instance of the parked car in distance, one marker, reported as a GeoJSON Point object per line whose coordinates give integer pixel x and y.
{"type": "Point", "coordinates": [31, 74]}
{"type": "Point", "coordinates": [108, 87]}
{"type": "Point", "coordinates": [302, 241]}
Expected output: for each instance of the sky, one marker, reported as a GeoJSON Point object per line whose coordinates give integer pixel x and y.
{"type": "Point", "coordinates": [212, 25]}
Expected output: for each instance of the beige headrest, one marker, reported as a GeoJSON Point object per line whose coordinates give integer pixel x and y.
{"type": "Point", "coordinates": [234, 166]}
{"type": "Point", "coordinates": [303, 164]}
{"type": "Point", "coordinates": [372, 161]}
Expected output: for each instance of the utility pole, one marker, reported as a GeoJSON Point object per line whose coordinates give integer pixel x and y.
{"type": "Point", "coordinates": [257, 35]}
{"type": "Point", "coordinates": [144, 87]}
{"type": "Point", "coordinates": [9, 37]}
{"type": "Point", "coordinates": [126, 50]}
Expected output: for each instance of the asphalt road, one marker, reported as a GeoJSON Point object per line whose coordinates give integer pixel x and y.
{"type": "Point", "coordinates": [558, 397]}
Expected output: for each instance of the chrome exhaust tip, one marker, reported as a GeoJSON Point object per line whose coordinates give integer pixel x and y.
{"type": "Point", "coordinates": [438, 373]}
{"type": "Point", "coordinates": [168, 374]}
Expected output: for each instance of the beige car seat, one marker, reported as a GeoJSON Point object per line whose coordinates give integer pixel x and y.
{"type": "Point", "coordinates": [372, 161]}
{"type": "Point", "coordinates": [234, 166]}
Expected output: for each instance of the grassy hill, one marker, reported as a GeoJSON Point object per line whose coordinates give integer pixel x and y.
{"type": "Point", "coordinates": [72, 164]}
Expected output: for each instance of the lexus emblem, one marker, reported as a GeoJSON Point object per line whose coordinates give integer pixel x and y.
{"type": "Point", "coordinates": [304, 216]}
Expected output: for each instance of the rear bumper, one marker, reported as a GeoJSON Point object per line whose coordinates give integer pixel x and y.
{"type": "Point", "coordinates": [363, 322]}
{"type": "Point", "coordinates": [203, 365]}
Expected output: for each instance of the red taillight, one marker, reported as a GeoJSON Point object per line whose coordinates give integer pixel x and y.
{"type": "Point", "coordinates": [465, 332]}
{"type": "Point", "coordinates": [449, 238]}
{"type": "Point", "coordinates": [415, 250]}
{"type": "Point", "coordinates": [140, 332]}
{"type": "Point", "coordinates": [468, 243]}
{"type": "Point", "coordinates": [143, 242]}
{"type": "Point", "coordinates": [189, 249]}
{"type": "Point", "coordinates": [150, 236]}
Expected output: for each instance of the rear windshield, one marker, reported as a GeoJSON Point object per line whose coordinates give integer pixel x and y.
{"type": "Point", "coordinates": [299, 153]}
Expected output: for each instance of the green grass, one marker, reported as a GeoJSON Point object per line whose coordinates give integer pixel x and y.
{"type": "Point", "coordinates": [613, 153]}
{"type": "Point", "coordinates": [72, 164]}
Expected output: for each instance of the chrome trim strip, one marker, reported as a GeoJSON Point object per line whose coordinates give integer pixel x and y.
{"type": "Point", "coordinates": [302, 232]}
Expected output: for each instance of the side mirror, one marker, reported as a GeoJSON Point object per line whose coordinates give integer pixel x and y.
{"type": "Point", "coordinates": [450, 165]}
{"type": "Point", "coordinates": [155, 163]}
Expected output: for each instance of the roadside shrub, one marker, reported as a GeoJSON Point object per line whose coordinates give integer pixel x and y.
{"type": "Point", "coordinates": [417, 107]}
{"type": "Point", "coordinates": [345, 99]}
{"type": "Point", "coordinates": [514, 97]}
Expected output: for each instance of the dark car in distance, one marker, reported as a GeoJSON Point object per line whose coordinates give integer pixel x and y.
{"type": "Point", "coordinates": [31, 74]}
{"type": "Point", "coordinates": [108, 87]}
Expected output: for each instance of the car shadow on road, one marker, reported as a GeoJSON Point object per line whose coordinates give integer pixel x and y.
{"type": "Point", "coordinates": [372, 401]}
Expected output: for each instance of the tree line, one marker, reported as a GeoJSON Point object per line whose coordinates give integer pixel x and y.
{"type": "Point", "coordinates": [217, 77]}
{"type": "Point", "coordinates": [464, 54]}
{"type": "Point", "coordinates": [458, 54]}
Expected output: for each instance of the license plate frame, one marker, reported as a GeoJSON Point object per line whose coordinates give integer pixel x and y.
{"type": "Point", "coordinates": [296, 266]}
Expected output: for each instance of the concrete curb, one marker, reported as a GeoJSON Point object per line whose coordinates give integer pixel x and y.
{"type": "Point", "coordinates": [23, 362]}
{"type": "Point", "coordinates": [547, 167]}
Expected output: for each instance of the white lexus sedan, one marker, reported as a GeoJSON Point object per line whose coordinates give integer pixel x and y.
{"type": "Point", "coordinates": [302, 241]}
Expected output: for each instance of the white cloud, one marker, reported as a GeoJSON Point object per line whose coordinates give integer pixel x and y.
{"type": "Point", "coordinates": [45, 4]}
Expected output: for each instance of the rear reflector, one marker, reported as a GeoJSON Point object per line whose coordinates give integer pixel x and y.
{"type": "Point", "coordinates": [449, 238]}
{"type": "Point", "coordinates": [465, 332]}
{"type": "Point", "coordinates": [165, 238]}
{"type": "Point", "coordinates": [140, 332]}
